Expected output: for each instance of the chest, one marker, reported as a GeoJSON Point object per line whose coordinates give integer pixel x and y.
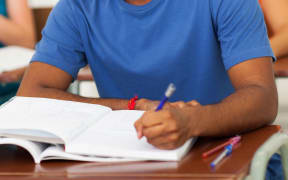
{"type": "Point", "coordinates": [170, 31]}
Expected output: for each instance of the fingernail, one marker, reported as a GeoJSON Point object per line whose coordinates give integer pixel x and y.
{"type": "Point", "coordinates": [139, 135]}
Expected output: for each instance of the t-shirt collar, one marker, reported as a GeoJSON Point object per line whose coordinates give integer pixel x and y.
{"type": "Point", "coordinates": [138, 9]}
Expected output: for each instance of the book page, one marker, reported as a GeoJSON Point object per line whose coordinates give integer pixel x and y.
{"type": "Point", "coordinates": [57, 152]}
{"type": "Point", "coordinates": [121, 121]}
{"type": "Point", "coordinates": [64, 119]}
{"type": "Point", "coordinates": [34, 148]}
{"type": "Point", "coordinates": [32, 135]}
{"type": "Point", "coordinates": [116, 136]}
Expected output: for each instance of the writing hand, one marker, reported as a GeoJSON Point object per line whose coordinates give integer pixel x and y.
{"type": "Point", "coordinates": [146, 105]}
{"type": "Point", "coordinates": [168, 128]}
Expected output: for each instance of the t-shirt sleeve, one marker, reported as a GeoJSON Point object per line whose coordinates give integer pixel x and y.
{"type": "Point", "coordinates": [241, 31]}
{"type": "Point", "coordinates": [61, 44]}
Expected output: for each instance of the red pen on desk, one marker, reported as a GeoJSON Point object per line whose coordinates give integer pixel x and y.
{"type": "Point", "coordinates": [221, 146]}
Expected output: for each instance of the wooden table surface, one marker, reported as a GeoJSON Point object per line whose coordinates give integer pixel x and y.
{"type": "Point", "coordinates": [17, 163]}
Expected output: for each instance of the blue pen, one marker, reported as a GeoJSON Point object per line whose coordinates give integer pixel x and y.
{"type": "Point", "coordinates": [226, 152]}
{"type": "Point", "coordinates": [170, 90]}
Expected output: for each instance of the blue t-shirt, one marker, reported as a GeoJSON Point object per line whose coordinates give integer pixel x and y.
{"type": "Point", "coordinates": [3, 12]}
{"type": "Point", "coordinates": [141, 49]}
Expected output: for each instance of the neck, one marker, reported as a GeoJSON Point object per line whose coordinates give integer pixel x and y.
{"type": "Point", "coordinates": [138, 2]}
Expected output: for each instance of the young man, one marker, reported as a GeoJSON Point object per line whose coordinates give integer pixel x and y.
{"type": "Point", "coordinates": [216, 52]}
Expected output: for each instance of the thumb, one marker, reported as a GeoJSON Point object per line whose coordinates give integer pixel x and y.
{"type": "Point", "coordinates": [139, 128]}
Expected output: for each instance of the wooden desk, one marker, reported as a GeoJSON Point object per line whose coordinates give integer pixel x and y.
{"type": "Point", "coordinates": [18, 163]}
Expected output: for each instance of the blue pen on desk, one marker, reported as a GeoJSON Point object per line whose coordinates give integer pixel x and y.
{"type": "Point", "coordinates": [227, 151]}
{"type": "Point", "coordinates": [170, 90]}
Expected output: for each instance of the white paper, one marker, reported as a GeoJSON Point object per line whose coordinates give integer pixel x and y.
{"type": "Point", "coordinates": [116, 136]}
{"type": "Point", "coordinates": [65, 119]}
{"type": "Point", "coordinates": [57, 152]}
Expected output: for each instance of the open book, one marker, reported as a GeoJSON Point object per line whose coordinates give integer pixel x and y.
{"type": "Point", "coordinates": [57, 129]}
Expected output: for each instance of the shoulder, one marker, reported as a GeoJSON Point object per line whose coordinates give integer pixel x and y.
{"type": "Point", "coordinates": [219, 5]}
{"type": "Point", "coordinates": [223, 9]}
{"type": "Point", "coordinates": [83, 5]}
{"type": "Point", "coordinates": [81, 9]}
{"type": "Point", "coordinates": [71, 9]}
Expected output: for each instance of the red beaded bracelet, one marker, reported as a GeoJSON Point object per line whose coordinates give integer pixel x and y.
{"type": "Point", "coordinates": [132, 103]}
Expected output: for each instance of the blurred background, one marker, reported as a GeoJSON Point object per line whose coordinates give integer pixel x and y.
{"type": "Point", "coordinates": [42, 3]}
{"type": "Point", "coordinates": [41, 9]}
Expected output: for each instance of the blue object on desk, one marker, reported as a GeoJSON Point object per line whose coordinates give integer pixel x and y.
{"type": "Point", "coordinates": [227, 151]}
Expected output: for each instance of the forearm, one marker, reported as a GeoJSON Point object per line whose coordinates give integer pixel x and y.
{"type": "Point", "coordinates": [115, 104]}
{"type": "Point", "coordinates": [246, 109]}
{"type": "Point", "coordinates": [14, 34]}
{"type": "Point", "coordinates": [279, 43]}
